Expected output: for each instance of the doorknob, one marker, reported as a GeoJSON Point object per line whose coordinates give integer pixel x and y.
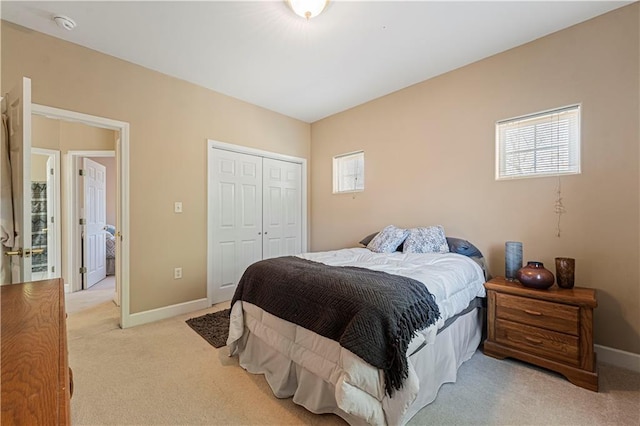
{"type": "Point", "coordinates": [25, 253]}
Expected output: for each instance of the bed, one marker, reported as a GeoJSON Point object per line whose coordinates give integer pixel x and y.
{"type": "Point", "coordinates": [110, 249]}
{"type": "Point", "coordinates": [325, 377]}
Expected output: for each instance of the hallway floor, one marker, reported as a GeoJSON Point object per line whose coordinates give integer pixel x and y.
{"type": "Point", "coordinates": [99, 293]}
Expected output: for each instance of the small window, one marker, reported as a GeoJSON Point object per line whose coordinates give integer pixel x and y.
{"type": "Point", "coordinates": [348, 172]}
{"type": "Point", "coordinates": [541, 144]}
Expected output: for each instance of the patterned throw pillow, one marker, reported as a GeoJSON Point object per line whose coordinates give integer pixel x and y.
{"type": "Point", "coordinates": [426, 240]}
{"type": "Point", "coordinates": [388, 240]}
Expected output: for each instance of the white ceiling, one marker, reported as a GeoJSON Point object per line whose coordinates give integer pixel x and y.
{"type": "Point", "coordinates": [262, 53]}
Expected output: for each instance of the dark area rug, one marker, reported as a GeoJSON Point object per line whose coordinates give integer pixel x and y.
{"type": "Point", "coordinates": [213, 327]}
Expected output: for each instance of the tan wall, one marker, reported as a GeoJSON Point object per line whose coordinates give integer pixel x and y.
{"type": "Point", "coordinates": [429, 153]}
{"type": "Point", "coordinates": [45, 133]}
{"type": "Point", "coordinates": [170, 121]}
{"type": "Point", "coordinates": [67, 136]}
{"type": "Point", "coordinates": [38, 168]}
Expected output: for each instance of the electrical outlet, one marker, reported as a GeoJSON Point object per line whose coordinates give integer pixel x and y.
{"type": "Point", "coordinates": [177, 207]}
{"type": "Point", "coordinates": [177, 273]}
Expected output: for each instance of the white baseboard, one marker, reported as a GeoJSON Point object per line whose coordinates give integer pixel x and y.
{"type": "Point", "coordinates": [165, 312]}
{"type": "Point", "coordinates": [619, 358]}
{"type": "Point", "coordinates": [69, 285]}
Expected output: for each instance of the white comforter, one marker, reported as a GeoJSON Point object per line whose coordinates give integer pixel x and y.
{"type": "Point", "coordinates": [454, 280]}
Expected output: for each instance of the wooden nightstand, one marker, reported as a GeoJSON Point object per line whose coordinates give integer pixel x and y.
{"type": "Point", "coordinates": [549, 328]}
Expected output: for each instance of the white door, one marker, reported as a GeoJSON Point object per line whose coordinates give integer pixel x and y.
{"type": "Point", "coordinates": [235, 193]}
{"type": "Point", "coordinates": [18, 105]}
{"type": "Point", "coordinates": [52, 237]}
{"type": "Point", "coordinates": [95, 213]}
{"type": "Point", "coordinates": [282, 214]}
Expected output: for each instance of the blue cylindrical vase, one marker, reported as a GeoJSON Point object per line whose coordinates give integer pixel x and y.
{"type": "Point", "coordinates": [512, 259]}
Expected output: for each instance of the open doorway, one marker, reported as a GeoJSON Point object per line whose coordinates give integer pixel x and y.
{"type": "Point", "coordinates": [89, 192]}
{"type": "Point", "coordinates": [92, 196]}
{"type": "Point", "coordinates": [118, 151]}
{"type": "Point", "coordinates": [77, 142]}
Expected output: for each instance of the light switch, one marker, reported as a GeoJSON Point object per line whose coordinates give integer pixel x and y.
{"type": "Point", "coordinates": [177, 207]}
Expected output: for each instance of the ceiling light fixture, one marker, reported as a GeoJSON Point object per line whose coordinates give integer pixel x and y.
{"type": "Point", "coordinates": [64, 22]}
{"type": "Point", "coordinates": [308, 8]}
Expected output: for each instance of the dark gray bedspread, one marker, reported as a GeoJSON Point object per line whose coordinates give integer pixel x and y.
{"type": "Point", "coordinates": [373, 314]}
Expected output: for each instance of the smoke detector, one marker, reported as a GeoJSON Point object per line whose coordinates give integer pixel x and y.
{"type": "Point", "coordinates": [64, 22]}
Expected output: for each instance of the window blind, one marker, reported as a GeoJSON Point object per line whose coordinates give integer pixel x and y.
{"type": "Point", "coordinates": [541, 144]}
{"type": "Point", "coordinates": [348, 172]}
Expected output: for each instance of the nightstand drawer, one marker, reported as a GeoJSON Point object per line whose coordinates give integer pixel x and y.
{"type": "Point", "coordinates": [538, 313]}
{"type": "Point", "coordinates": [549, 344]}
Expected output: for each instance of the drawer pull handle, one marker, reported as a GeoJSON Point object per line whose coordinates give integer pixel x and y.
{"type": "Point", "coordinates": [531, 340]}
{"type": "Point", "coordinates": [538, 314]}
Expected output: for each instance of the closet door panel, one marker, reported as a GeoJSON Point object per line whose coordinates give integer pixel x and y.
{"type": "Point", "coordinates": [282, 216]}
{"type": "Point", "coordinates": [248, 208]}
{"type": "Point", "coordinates": [236, 193]}
{"type": "Point", "coordinates": [227, 205]}
{"type": "Point", "coordinates": [227, 257]}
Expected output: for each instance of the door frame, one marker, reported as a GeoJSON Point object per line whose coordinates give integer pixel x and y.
{"type": "Point", "coordinates": [122, 197]}
{"type": "Point", "coordinates": [74, 228]}
{"type": "Point", "coordinates": [213, 144]}
{"type": "Point", "coordinates": [57, 224]}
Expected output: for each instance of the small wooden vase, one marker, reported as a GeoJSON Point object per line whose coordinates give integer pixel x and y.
{"type": "Point", "coordinates": [535, 275]}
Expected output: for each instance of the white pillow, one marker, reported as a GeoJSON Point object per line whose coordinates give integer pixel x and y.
{"type": "Point", "coordinates": [388, 240]}
{"type": "Point", "coordinates": [426, 240]}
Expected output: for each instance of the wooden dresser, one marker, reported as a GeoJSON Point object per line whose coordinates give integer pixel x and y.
{"type": "Point", "coordinates": [35, 378]}
{"type": "Point", "coordinates": [549, 328]}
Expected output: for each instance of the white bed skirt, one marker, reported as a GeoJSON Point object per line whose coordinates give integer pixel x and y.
{"type": "Point", "coordinates": [434, 365]}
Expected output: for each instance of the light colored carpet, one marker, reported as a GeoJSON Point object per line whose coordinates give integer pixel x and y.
{"type": "Point", "coordinates": [164, 373]}
{"type": "Point", "coordinates": [94, 295]}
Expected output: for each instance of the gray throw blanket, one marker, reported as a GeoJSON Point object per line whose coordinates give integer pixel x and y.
{"type": "Point", "coordinates": [373, 314]}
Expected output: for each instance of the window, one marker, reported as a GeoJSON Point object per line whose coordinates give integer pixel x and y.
{"type": "Point", "coordinates": [542, 144]}
{"type": "Point", "coordinates": [348, 172]}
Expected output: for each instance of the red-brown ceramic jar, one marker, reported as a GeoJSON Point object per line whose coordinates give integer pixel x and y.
{"type": "Point", "coordinates": [535, 275]}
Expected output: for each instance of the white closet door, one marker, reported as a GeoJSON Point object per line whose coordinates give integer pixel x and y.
{"type": "Point", "coordinates": [236, 209]}
{"type": "Point", "coordinates": [282, 216]}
